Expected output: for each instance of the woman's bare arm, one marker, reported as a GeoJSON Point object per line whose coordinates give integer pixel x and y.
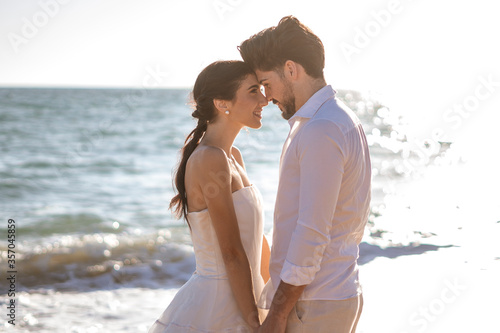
{"type": "Point", "coordinates": [216, 188]}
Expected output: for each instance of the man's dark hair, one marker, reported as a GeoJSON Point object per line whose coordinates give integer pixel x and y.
{"type": "Point", "coordinates": [269, 49]}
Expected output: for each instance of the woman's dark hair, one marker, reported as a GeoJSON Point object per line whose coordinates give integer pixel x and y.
{"type": "Point", "coordinates": [269, 49]}
{"type": "Point", "coordinates": [219, 80]}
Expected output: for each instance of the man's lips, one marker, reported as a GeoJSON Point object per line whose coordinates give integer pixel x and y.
{"type": "Point", "coordinates": [278, 104]}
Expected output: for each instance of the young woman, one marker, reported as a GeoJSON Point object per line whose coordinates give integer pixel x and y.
{"type": "Point", "coordinates": [222, 207]}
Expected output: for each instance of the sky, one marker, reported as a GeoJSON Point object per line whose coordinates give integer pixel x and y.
{"type": "Point", "coordinates": [427, 59]}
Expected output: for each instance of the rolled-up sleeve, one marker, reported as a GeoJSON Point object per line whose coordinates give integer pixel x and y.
{"type": "Point", "coordinates": [320, 153]}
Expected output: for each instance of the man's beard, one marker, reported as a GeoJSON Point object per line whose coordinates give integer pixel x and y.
{"type": "Point", "coordinates": [288, 103]}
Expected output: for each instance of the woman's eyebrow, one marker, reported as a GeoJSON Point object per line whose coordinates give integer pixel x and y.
{"type": "Point", "coordinates": [254, 86]}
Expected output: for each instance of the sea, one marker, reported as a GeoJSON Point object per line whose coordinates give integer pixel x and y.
{"type": "Point", "coordinates": [86, 238]}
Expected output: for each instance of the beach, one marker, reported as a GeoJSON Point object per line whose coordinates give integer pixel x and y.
{"type": "Point", "coordinates": [424, 288]}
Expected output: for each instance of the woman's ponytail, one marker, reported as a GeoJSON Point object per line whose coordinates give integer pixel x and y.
{"type": "Point", "coordinates": [179, 202]}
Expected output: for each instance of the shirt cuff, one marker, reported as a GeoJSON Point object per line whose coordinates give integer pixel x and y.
{"type": "Point", "coordinates": [297, 275]}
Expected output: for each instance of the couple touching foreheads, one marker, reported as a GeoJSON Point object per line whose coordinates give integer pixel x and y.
{"type": "Point", "coordinates": [308, 282]}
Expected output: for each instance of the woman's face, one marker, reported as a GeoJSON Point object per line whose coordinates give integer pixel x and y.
{"type": "Point", "coordinates": [246, 108]}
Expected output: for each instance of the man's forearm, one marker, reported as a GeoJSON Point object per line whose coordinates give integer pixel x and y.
{"type": "Point", "coordinates": [285, 298]}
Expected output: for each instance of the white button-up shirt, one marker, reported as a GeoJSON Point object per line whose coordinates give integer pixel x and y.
{"type": "Point", "coordinates": [323, 202]}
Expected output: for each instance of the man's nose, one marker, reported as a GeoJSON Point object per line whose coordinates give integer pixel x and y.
{"type": "Point", "coordinates": [263, 100]}
{"type": "Point", "coordinates": [268, 94]}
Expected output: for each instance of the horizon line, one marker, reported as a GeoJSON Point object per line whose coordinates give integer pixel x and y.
{"type": "Point", "coordinates": [4, 86]}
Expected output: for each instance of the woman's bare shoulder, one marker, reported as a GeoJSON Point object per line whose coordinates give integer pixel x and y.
{"type": "Point", "coordinates": [206, 159]}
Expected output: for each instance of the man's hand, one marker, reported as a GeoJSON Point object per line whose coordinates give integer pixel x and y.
{"type": "Point", "coordinates": [273, 324]}
{"type": "Point", "coordinates": [283, 302]}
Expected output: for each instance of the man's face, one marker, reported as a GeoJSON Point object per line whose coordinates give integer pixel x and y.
{"type": "Point", "coordinates": [278, 90]}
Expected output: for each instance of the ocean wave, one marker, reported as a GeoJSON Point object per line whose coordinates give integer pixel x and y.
{"type": "Point", "coordinates": [103, 261]}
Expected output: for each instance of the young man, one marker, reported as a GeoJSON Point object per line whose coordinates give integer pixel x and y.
{"type": "Point", "coordinates": [324, 190]}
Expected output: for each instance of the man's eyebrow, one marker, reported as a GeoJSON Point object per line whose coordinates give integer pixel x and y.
{"type": "Point", "coordinates": [262, 81]}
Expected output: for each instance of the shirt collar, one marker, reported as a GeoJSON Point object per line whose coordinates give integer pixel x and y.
{"type": "Point", "coordinates": [313, 103]}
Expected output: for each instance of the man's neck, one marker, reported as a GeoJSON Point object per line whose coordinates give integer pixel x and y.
{"type": "Point", "coordinates": [305, 91]}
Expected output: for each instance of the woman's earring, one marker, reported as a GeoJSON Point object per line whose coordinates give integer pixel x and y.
{"type": "Point", "coordinates": [226, 112]}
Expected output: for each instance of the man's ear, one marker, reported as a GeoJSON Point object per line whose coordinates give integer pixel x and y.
{"type": "Point", "coordinates": [291, 69]}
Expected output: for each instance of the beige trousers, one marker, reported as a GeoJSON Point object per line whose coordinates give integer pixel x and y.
{"type": "Point", "coordinates": [325, 316]}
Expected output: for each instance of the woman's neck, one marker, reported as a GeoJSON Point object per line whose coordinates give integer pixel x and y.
{"type": "Point", "coordinates": [220, 134]}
